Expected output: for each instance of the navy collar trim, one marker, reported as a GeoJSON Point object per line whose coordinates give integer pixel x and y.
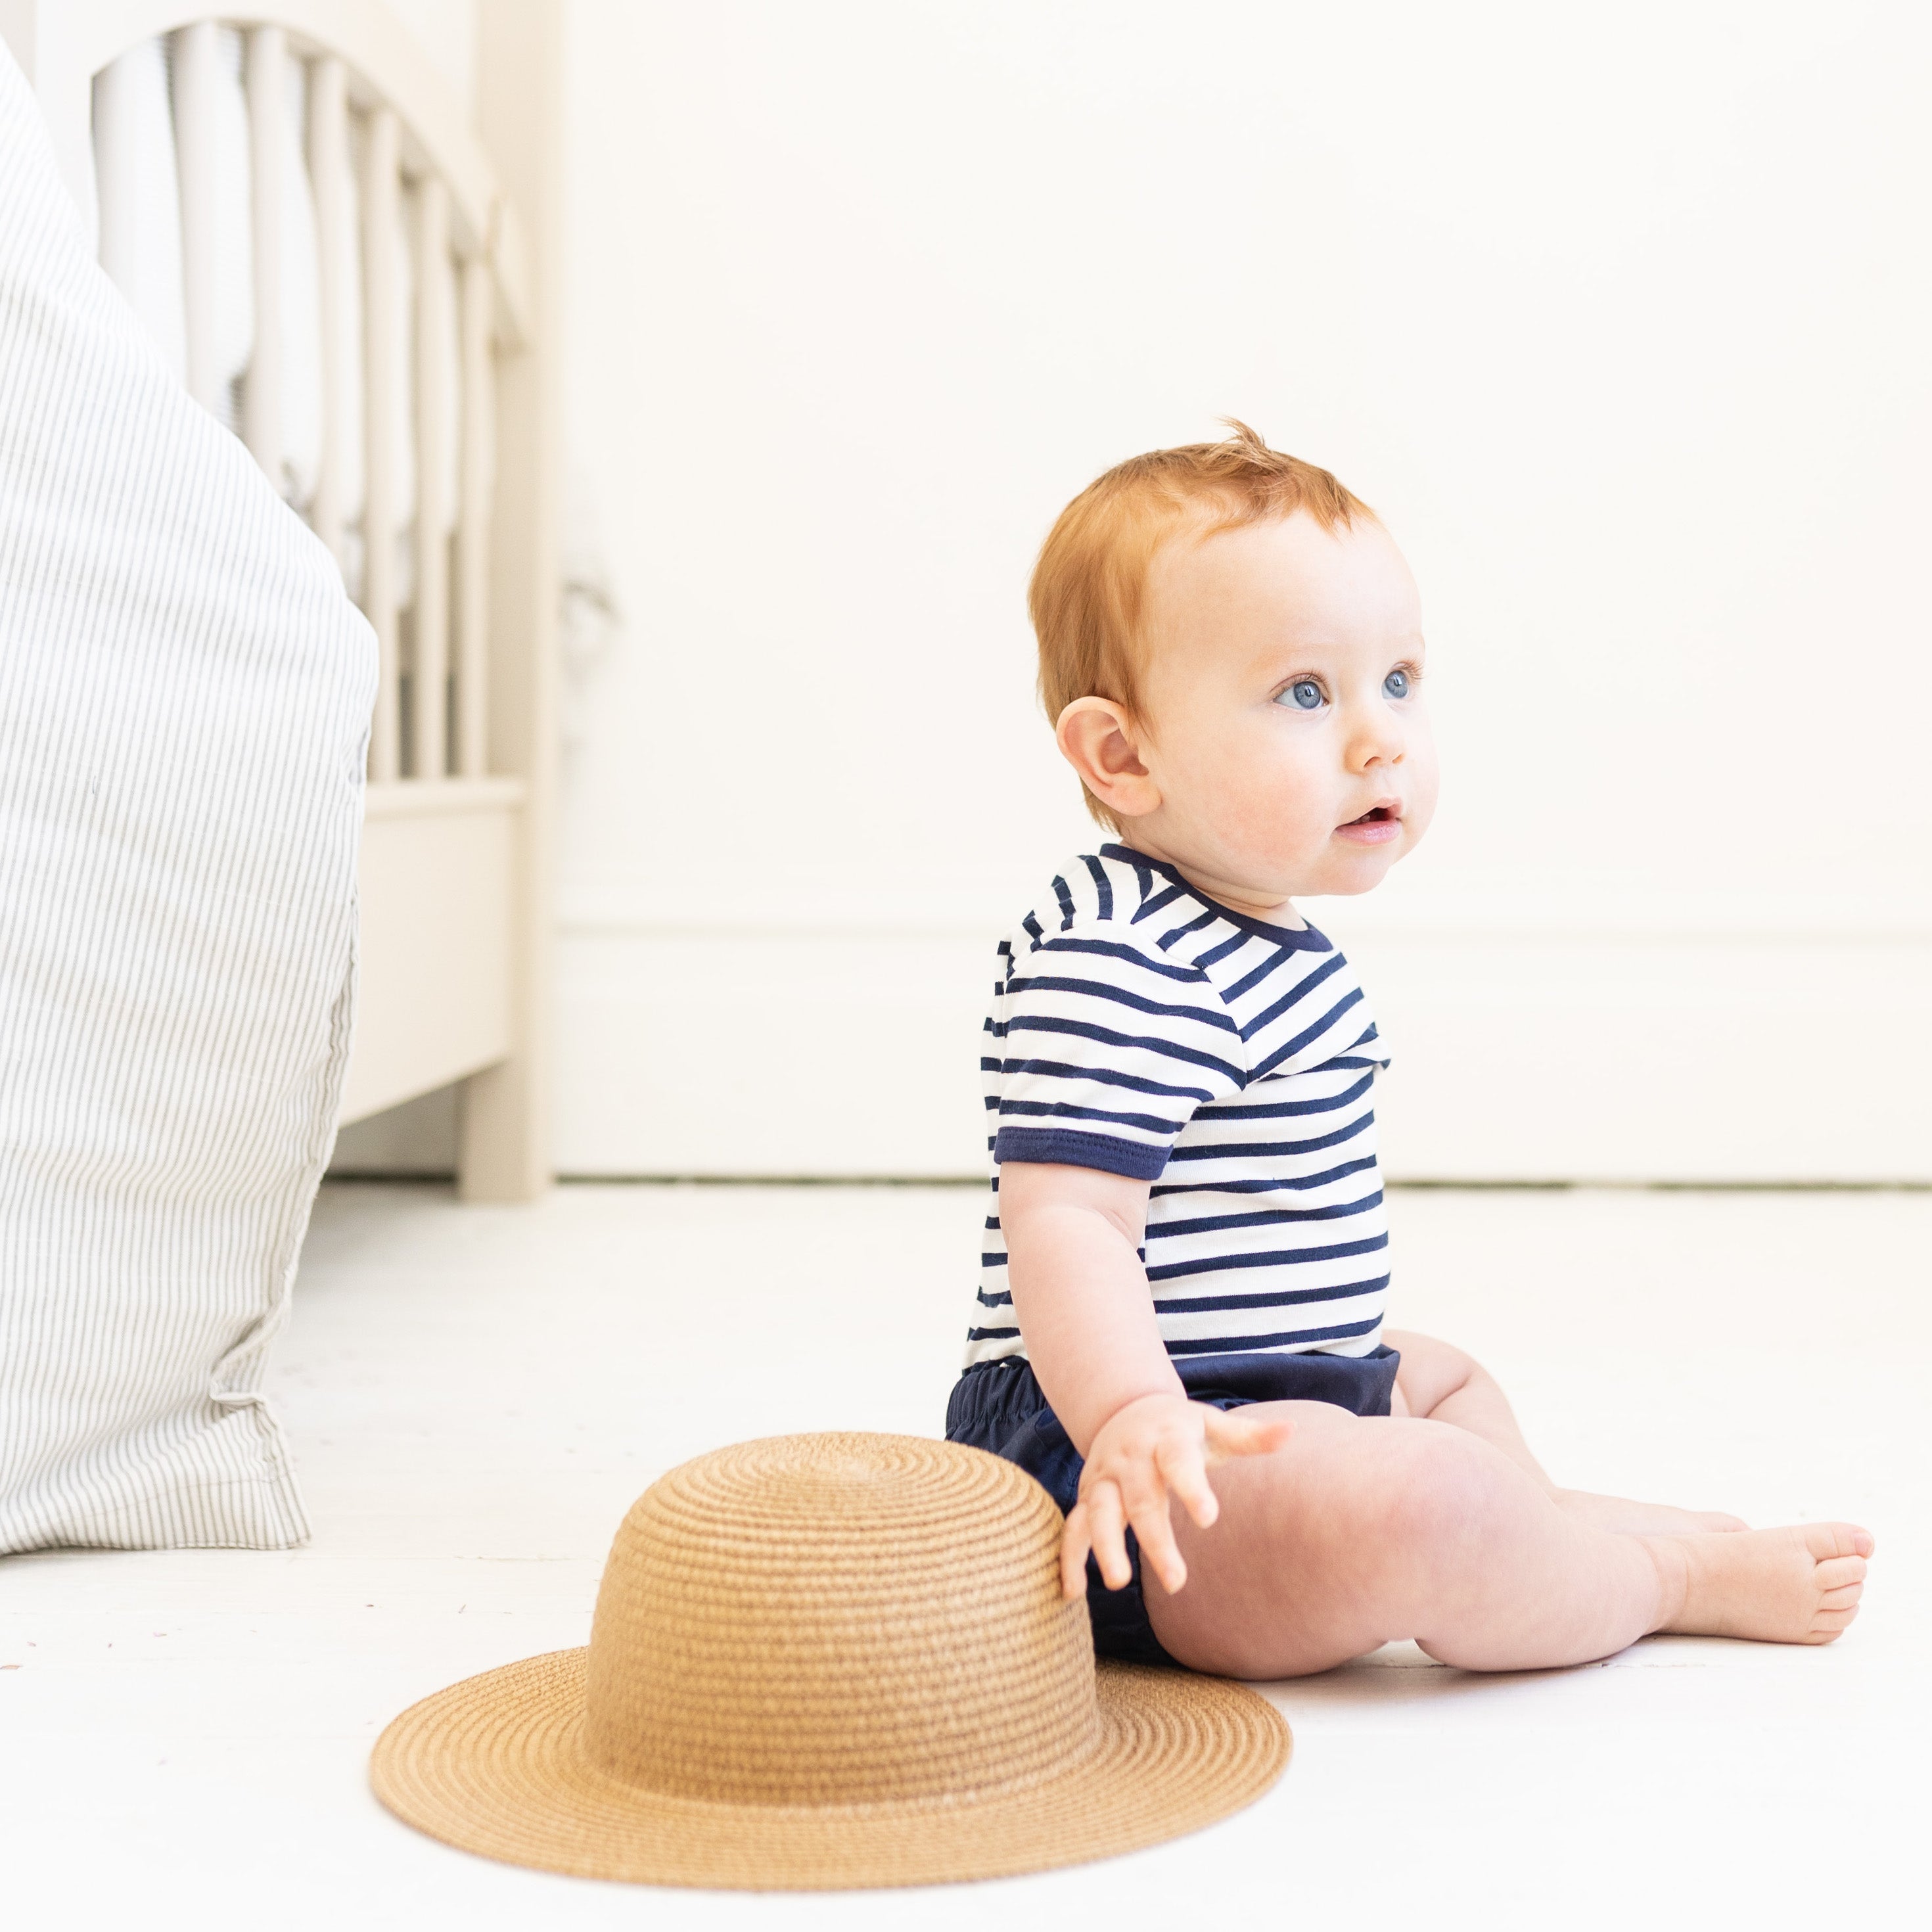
{"type": "Point", "coordinates": [1305, 938]}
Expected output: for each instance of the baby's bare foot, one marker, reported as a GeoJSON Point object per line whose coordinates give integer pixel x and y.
{"type": "Point", "coordinates": [1634, 1518]}
{"type": "Point", "coordinates": [1799, 1585]}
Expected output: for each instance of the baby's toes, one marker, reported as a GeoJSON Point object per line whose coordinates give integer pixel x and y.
{"type": "Point", "coordinates": [1828, 1624]}
{"type": "Point", "coordinates": [1826, 1540]}
{"type": "Point", "coordinates": [1837, 1572]}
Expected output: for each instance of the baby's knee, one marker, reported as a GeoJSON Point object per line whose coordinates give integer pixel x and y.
{"type": "Point", "coordinates": [1441, 1487]}
{"type": "Point", "coordinates": [1432, 1369]}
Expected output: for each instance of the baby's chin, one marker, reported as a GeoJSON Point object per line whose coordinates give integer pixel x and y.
{"type": "Point", "coordinates": [1252, 881]}
{"type": "Point", "coordinates": [1349, 867]}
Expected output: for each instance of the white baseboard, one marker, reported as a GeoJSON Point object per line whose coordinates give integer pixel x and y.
{"type": "Point", "coordinates": [1778, 1057]}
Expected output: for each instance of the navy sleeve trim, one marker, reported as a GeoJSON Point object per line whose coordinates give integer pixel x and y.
{"type": "Point", "coordinates": [1059, 1148]}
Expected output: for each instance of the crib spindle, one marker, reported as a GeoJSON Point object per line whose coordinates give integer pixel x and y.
{"type": "Point", "coordinates": [196, 58]}
{"type": "Point", "coordinates": [429, 720]}
{"type": "Point", "coordinates": [138, 204]}
{"type": "Point", "coordinates": [328, 152]}
{"type": "Point", "coordinates": [472, 530]}
{"type": "Point", "coordinates": [261, 412]}
{"type": "Point", "coordinates": [381, 211]}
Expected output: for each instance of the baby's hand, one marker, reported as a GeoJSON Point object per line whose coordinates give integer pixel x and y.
{"type": "Point", "coordinates": [1157, 1443]}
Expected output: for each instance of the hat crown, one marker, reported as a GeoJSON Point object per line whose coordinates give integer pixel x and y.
{"type": "Point", "coordinates": [839, 1619]}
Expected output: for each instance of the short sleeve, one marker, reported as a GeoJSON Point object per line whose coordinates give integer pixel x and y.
{"type": "Point", "coordinates": [1106, 1050]}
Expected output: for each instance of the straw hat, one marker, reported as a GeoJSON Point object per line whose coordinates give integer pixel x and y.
{"type": "Point", "coordinates": [822, 1661]}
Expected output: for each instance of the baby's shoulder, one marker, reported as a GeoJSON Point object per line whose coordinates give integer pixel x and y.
{"type": "Point", "coordinates": [1104, 918]}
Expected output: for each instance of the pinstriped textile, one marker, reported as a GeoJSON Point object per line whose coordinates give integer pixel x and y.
{"type": "Point", "coordinates": [1139, 1028]}
{"type": "Point", "coordinates": [184, 695]}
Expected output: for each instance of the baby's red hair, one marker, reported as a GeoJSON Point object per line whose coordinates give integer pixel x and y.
{"type": "Point", "coordinates": [1090, 582]}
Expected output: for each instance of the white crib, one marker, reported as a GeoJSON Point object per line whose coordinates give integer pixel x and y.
{"type": "Point", "coordinates": [363, 296]}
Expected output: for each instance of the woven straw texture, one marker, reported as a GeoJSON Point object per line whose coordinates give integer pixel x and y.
{"type": "Point", "coordinates": [829, 1661]}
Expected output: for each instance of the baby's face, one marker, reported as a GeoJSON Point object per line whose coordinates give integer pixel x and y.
{"type": "Point", "coordinates": [1286, 734]}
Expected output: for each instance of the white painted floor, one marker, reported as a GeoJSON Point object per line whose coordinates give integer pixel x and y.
{"type": "Point", "coordinates": [476, 1396]}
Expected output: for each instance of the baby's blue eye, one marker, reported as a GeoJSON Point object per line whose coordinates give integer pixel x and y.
{"type": "Point", "coordinates": [1396, 685]}
{"type": "Point", "coordinates": [1304, 694]}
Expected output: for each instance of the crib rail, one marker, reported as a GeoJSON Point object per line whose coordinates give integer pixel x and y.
{"type": "Point", "coordinates": [383, 278]}
{"type": "Point", "coordinates": [392, 324]}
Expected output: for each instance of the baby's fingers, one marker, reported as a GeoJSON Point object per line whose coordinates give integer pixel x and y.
{"type": "Point", "coordinates": [1075, 1542]}
{"type": "Point", "coordinates": [1107, 1525]}
{"type": "Point", "coordinates": [1183, 1468]}
{"type": "Point", "coordinates": [1158, 1550]}
{"type": "Point", "coordinates": [1231, 1432]}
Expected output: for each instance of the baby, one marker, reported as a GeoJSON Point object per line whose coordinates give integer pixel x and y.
{"type": "Point", "coordinates": [1187, 1267]}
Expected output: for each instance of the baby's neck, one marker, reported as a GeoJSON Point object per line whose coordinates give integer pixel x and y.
{"type": "Point", "coordinates": [1252, 902]}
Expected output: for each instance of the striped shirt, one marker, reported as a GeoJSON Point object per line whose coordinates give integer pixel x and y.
{"type": "Point", "coordinates": [1139, 1028]}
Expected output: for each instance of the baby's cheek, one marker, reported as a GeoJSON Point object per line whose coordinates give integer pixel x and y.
{"type": "Point", "coordinates": [1261, 803]}
{"type": "Point", "coordinates": [1299, 796]}
{"type": "Point", "coordinates": [1424, 781]}
{"type": "Point", "coordinates": [1288, 816]}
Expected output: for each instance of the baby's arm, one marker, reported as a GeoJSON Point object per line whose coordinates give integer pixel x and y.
{"type": "Point", "coordinates": [1073, 1235]}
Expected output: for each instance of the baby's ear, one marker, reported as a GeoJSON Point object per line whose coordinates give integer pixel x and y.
{"type": "Point", "coordinates": [1100, 739]}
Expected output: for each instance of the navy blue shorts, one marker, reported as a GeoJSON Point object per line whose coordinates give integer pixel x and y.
{"type": "Point", "coordinates": [1000, 1406]}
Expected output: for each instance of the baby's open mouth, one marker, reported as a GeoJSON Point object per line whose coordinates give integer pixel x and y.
{"type": "Point", "coordinates": [1376, 826]}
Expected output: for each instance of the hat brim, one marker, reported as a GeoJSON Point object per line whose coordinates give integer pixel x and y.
{"type": "Point", "coordinates": [495, 1765]}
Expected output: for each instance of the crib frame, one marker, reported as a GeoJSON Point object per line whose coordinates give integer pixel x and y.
{"type": "Point", "coordinates": [455, 878]}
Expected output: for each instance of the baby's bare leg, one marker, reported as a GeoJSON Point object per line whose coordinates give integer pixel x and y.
{"type": "Point", "coordinates": [1438, 1381]}
{"type": "Point", "coordinates": [1364, 1531]}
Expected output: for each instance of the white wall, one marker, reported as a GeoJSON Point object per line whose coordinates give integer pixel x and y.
{"type": "Point", "coordinates": [446, 30]}
{"type": "Point", "coordinates": [1619, 316]}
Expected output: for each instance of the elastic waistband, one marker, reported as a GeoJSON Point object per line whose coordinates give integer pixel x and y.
{"type": "Point", "coordinates": [1363, 1384]}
